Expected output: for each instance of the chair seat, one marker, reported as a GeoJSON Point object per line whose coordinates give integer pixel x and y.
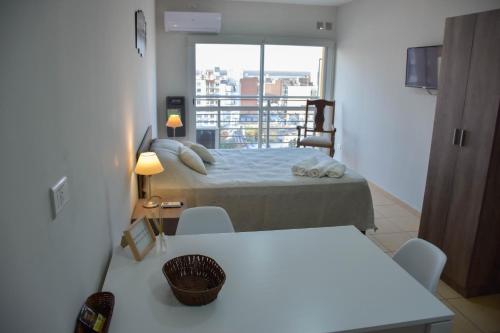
{"type": "Point", "coordinates": [316, 141]}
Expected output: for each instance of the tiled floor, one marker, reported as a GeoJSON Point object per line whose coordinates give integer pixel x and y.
{"type": "Point", "coordinates": [396, 225]}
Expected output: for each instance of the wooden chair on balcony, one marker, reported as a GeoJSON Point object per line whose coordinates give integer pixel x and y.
{"type": "Point", "coordinates": [326, 137]}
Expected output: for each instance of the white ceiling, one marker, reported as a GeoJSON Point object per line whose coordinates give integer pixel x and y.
{"type": "Point", "coordinates": [301, 2]}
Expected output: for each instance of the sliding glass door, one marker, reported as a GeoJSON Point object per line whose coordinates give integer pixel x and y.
{"type": "Point", "coordinates": [292, 74]}
{"type": "Point", "coordinates": [253, 96]}
{"type": "Point", "coordinates": [227, 95]}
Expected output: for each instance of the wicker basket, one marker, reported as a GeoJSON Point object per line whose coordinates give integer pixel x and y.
{"type": "Point", "coordinates": [103, 303]}
{"type": "Point", "coordinates": [195, 279]}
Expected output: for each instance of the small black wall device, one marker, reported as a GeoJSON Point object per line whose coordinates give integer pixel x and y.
{"type": "Point", "coordinates": [176, 105]}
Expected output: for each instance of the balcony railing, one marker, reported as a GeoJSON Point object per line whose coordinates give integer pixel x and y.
{"type": "Point", "coordinates": [250, 122]}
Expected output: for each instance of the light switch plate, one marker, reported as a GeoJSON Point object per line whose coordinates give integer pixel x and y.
{"type": "Point", "coordinates": [59, 195]}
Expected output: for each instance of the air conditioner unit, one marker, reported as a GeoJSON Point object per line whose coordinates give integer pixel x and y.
{"type": "Point", "coordinates": [208, 136]}
{"type": "Point", "coordinates": [201, 22]}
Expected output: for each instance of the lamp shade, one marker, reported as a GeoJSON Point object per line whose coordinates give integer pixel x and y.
{"type": "Point", "coordinates": [174, 121]}
{"type": "Point", "coordinates": [148, 164]}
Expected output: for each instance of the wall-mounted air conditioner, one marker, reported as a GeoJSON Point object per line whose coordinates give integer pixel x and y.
{"type": "Point", "coordinates": [208, 136]}
{"type": "Point", "coordinates": [201, 22]}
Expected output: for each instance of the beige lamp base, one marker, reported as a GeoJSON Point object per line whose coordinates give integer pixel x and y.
{"type": "Point", "coordinates": [150, 204]}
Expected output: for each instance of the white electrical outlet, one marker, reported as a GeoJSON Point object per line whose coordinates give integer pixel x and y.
{"type": "Point", "coordinates": [59, 195]}
{"type": "Point", "coordinates": [339, 146]}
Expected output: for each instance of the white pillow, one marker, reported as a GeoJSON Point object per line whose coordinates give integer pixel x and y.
{"type": "Point", "coordinates": [168, 144]}
{"type": "Point", "coordinates": [192, 160]}
{"type": "Point", "coordinates": [201, 150]}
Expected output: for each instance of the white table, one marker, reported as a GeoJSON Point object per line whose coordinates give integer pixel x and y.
{"type": "Point", "coordinates": [304, 280]}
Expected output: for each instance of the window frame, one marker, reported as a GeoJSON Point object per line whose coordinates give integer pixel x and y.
{"type": "Point", "coordinates": [327, 75]}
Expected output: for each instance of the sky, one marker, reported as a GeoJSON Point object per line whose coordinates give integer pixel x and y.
{"type": "Point", "coordinates": [237, 58]}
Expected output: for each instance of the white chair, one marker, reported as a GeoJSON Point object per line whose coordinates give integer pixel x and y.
{"type": "Point", "coordinates": [204, 220]}
{"type": "Point", "coordinates": [423, 260]}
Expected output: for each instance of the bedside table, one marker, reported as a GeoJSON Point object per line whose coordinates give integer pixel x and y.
{"type": "Point", "coordinates": [168, 216]}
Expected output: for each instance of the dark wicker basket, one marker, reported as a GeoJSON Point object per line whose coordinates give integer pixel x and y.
{"type": "Point", "coordinates": [195, 279]}
{"type": "Point", "coordinates": [103, 303]}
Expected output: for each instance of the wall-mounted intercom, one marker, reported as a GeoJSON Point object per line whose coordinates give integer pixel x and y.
{"type": "Point", "coordinates": [176, 105]}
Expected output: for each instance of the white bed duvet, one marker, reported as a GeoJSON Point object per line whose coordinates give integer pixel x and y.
{"type": "Point", "coordinates": [259, 191]}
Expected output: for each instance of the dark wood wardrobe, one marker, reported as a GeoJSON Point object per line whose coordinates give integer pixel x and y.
{"type": "Point", "coordinates": [461, 209]}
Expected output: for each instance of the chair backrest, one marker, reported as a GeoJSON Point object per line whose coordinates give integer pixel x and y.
{"type": "Point", "coordinates": [319, 117]}
{"type": "Point", "coordinates": [204, 220]}
{"type": "Point", "coordinates": [423, 260]}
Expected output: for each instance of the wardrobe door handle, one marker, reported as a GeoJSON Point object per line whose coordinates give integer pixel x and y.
{"type": "Point", "coordinates": [462, 138]}
{"type": "Point", "coordinates": [456, 136]}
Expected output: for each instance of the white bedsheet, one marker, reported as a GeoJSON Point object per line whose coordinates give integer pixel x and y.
{"type": "Point", "coordinates": [259, 191]}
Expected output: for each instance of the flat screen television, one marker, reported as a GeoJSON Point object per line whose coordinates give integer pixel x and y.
{"type": "Point", "coordinates": [422, 66]}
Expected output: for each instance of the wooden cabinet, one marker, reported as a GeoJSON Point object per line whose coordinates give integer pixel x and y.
{"type": "Point", "coordinates": [461, 210]}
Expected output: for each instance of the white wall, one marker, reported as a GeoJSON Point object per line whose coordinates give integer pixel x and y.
{"type": "Point", "coordinates": [240, 18]}
{"type": "Point", "coordinates": [385, 128]}
{"type": "Point", "coordinates": [75, 100]}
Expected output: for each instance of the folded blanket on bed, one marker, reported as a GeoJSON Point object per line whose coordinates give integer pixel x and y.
{"type": "Point", "coordinates": [301, 168]}
{"type": "Point", "coordinates": [335, 170]}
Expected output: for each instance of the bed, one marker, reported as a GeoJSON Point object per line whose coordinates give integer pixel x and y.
{"type": "Point", "coordinates": [259, 192]}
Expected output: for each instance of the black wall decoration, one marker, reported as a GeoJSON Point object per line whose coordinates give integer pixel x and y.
{"type": "Point", "coordinates": [140, 32]}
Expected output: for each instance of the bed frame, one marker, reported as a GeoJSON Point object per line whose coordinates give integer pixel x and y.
{"type": "Point", "coordinates": [145, 146]}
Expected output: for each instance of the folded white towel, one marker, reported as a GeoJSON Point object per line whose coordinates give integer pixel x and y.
{"type": "Point", "coordinates": [320, 169]}
{"type": "Point", "coordinates": [301, 168]}
{"type": "Point", "coordinates": [335, 170]}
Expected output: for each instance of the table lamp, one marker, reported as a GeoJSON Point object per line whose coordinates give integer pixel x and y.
{"type": "Point", "coordinates": [174, 121]}
{"type": "Point", "coordinates": [148, 165]}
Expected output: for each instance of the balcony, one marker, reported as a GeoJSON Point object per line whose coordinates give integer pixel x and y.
{"type": "Point", "coordinates": [248, 122]}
